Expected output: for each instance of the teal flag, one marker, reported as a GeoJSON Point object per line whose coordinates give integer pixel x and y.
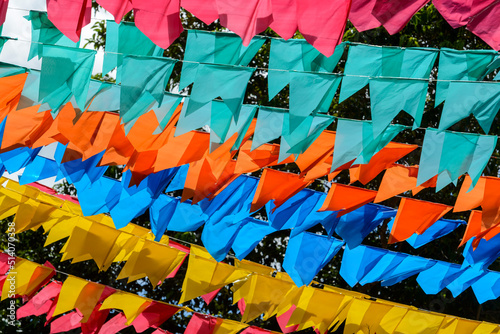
{"type": "Point", "coordinates": [388, 96]}
{"type": "Point", "coordinates": [269, 126]}
{"type": "Point", "coordinates": [355, 141]}
{"type": "Point", "coordinates": [125, 39]}
{"type": "Point", "coordinates": [296, 55]}
{"type": "Point", "coordinates": [219, 118]}
{"type": "Point", "coordinates": [310, 93]}
{"type": "Point", "coordinates": [195, 120]}
{"type": "Point", "coordinates": [144, 80]}
{"type": "Point", "coordinates": [466, 65]}
{"type": "Point", "coordinates": [215, 48]}
{"type": "Point", "coordinates": [44, 32]}
{"type": "Point", "coordinates": [449, 155]}
{"type": "Point", "coordinates": [213, 81]}
{"type": "Point", "coordinates": [297, 140]}
{"type": "Point", "coordinates": [223, 125]}
{"type": "Point", "coordinates": [165, 111]}
{"type": "Point", "coordinates": [481, 99]}
{"type": "Point", "coordinates": [366, 61]}
{"type": "Point", "coordinates": [65, 73]}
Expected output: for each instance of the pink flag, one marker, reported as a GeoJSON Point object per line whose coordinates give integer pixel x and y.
{"type": "Point", "coordinates": [42, 302]}
{"type": "Point", "coordinates": [322, 23]}
{"type": "Point", "coordinates": [395, 14]}
{"type": "Point", "coordinates": [159, 20]}
{"type": "Point", "coordinates": [66, 323]}
{"type": "Point", "coordinates": [205, 10]}
{"type": "Point", "coordinates": [153, 316]}
{"type": "Point", "coordinates": [117, 8]}
{"type": "Point", "coordinates": [284, 17]}
{"type": "Point", "coordinates": [116, 324]}
{"type": "Point", "coordinates": [245, 18]}
{"type": "Point", "coordinates": [69, 16]}
{"type": "Point", "coordinates": [283, 321]}
{"type": "Point", "coordinates": [3, 10]}
{"type": "Point", "coordinates": [459, 12]}
{"type": "Point", "coordinates": [361, 15]}
{"type": "Point", "coordinates": [485, 25]}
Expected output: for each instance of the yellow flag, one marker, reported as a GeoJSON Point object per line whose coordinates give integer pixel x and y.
{"type": "Point", "coordinates": [262, 294]}
{"type": "Point", "coordinates": [486, 328]}
{"type": "Point", "coordinates": [225, 326]}
{"type": "Point", "coordinates": [254, 267]}
{"type": "Point", "coordinates": [131, 305]}
{"type": "Point", "coordinates": [419, 322]}
{"type": "Point", "coordinates": [78, 293]}
{"type": "Point", "coordinates": [318, 308]}
{"type": "Point", "coordinates": [153, 260]}
{"type": "Point", "coordinates": [205, 275]}
{"type": "Point", "coordinates": [95, 242]}
{"type": "Point", "coordinates": [25, 278]}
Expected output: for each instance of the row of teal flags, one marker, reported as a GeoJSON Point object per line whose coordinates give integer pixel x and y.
{"type": "Point", "coordinates": [227, 224]}
{"type": "Point", "coordinates": [446, 154]}
{"type": "Point", "coordinates": [219, 66]}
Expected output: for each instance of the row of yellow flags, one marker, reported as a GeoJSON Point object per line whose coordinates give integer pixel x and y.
{"type": "Point", "coordinates": [253, 283]}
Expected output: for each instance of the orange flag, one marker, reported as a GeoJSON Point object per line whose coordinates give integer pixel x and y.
{"type": "Point", "coordinates": [19, 126]}
{"type": "Point", "coordinates": [10, 93]}
{"type": "Point", "coordinates": [486, 194]}
{"type": "Point", "coordinates": [415, 216]}
{"type": "Point", "coordinates": [399, 179]}
{"type": "Point", "coordinates": [473, 227]}
{"type": "Point", "coordinates": [318, 152]}
{"type": "Point", "coordinates": [384, 159]}
{"type": "Point", "coordinates": [265, 156]}
{"type": "Point", "coordinates": [276, 185]}
{"type": "Point", "coordinates": [346, 198]}
{"type": "Point", "coordinates": [468, 200]}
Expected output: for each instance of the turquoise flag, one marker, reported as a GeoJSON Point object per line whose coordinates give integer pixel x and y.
{"type": "Point", "coordinates": [125, 39]}
{"type": "Point", "coordinates": [165, 111]}
{"type": "Point", "coordinates": [449, 155]}
{"type": "Point", "coordinates": [365, 61]}
{"type": "Point", "coordinates": [388, 96]}
{"type": "Point", "coordinates": [296, 55]}
{"type": "Point", "coordinates": [219, 118]}
{"type": "Point", "coordinates": [269, 126]}
{"type": "Point", "coordinates": [44, 32]}
{"type": "Point", "coordinates": [481, 99]}
{"type": "Point", "coordinates": [297, 140]}
{"type": "Point", "coordinates": [215, 48]}
{"type": "Point", "coordinates": [223, 125]}
{"type": "Point", "coordinates": [65, 73]}
{"type": "Point", "coordinates": [144, 80]}
{"type": "Point", "coordinates": [310, 93]}
{"type": "Point", "coordinates": [213, 81]}
{"type": "Point", "coordinates": [355, 141]}
{"type": "Point", "coordinates": [466, 65]}
{"type": "Point", "coordinates": [195, 120]}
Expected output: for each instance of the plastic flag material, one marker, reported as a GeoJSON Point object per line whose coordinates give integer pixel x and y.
{"type": "Point", "coordinates": [215, 48]}
{"type": "Point", "coordinates": [451, 154]}
{"type": "Point", "coordinates": [44, 32]}
{"type": "Point", "coordinates": [307, 253]}
{"type": "Point", "coordinates": [415, 216]}
{"type": "Point", "coordinates": [125, 39]}
{"type": "Point", "coordinates": [465, 98]}
{"type": "Point", "coordinates": [367, 61]}
{"type": "Point", "coordinates": [65, 73]}
{"type": "Point", "coordinates": [467, 65]}
{"type": "Point", "coordinates": [296, 55]}
{"type": "Point", "coordinates": [356, 143]}
{"type": "Point", "coordinates": [144, 81]}
{"type": "Point", "coordinates": [390, 96]}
